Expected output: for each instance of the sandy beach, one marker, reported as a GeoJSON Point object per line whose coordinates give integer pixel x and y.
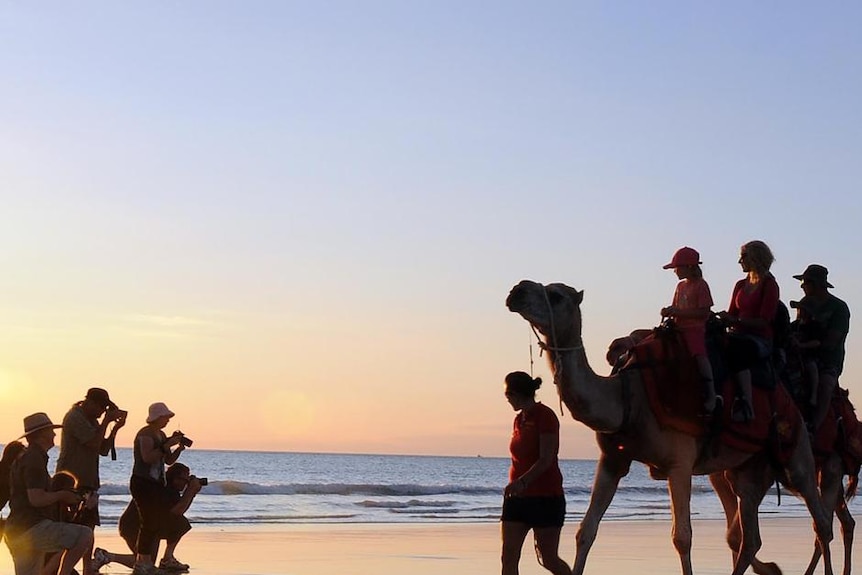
{"type": "Point", "coordinates": [642, 547]}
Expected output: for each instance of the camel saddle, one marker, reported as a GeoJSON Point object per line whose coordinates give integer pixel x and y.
{"type": "Point", "coordinates": [675, 393]}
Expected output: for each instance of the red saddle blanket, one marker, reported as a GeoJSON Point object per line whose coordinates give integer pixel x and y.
{"type": "Point", "coordinates": [675, 393]}
{"type": "Point", "coordinates": [840, 432]}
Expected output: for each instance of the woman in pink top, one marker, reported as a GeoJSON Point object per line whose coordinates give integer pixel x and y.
{"type": "Point", "coordinates": [749, 319]}
{"type": "Point", "coordinates": [690, 309]}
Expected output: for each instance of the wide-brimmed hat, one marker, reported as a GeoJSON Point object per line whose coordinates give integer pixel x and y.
{"type": "Point", "coordinates": [37, 422]}
{"type": "Point", "coordinates": [815, 273]}
{"type": "Point", "coordinates": [100, 396]}
{"type": "Point", "coordinates": [683, 257]}
{"type": "Point", "coordinates": [158, 410]}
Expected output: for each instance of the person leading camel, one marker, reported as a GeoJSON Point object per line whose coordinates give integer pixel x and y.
{"type": "Point", "coordinates": [534, 497]}
{"type": "Point", "coordinates": [689, 310]}
{"type": "Point", "coordinates": [749, 319]}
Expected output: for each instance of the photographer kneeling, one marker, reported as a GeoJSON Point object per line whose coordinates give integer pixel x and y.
{"type": "Point", "coordinates": [174, 500]}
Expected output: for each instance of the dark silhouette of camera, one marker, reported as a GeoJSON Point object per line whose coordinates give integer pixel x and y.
{"type": "Point", "coordinates": [185, 441]}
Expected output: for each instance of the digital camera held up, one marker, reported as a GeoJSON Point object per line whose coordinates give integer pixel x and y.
{"type": "Point", "coordinates": [184, 441]}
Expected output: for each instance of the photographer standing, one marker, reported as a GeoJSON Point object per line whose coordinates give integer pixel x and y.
{"type": "Point", "coordinates": [176, 498]}
{"type": "Point", "coordinates": [152, 451]}
{"type": "Point", "coordinates": [84, 440]}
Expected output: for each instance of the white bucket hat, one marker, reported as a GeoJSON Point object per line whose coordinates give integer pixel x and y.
{"type": "Point", "coordinates": [158, 410]}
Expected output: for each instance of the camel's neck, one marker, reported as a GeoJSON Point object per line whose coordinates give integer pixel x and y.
{"type": "Point", "coordinates": [594, 400]}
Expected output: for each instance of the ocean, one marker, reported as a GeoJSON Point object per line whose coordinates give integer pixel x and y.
{"type": "Point", "coordinates": [257, 488]}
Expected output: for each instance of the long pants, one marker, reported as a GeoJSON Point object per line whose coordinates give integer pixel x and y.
{"type": "Point", "coordinates": [145, 495]}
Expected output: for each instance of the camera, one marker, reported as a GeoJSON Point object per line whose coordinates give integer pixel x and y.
{"type": "Point", "coordinates": [202, 480]}
{"type": "Point", "coordinates": [185, 441]}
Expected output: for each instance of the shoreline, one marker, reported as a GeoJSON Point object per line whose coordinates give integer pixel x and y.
{"type": "Point", "coordinates": [630, 546]}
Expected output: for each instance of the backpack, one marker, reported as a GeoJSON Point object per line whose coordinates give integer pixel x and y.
{"type": "Point", "coordinates": [781, 326]}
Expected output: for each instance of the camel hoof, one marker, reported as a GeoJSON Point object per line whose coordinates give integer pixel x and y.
{"type": "Point", "coordinates": [769, 568]}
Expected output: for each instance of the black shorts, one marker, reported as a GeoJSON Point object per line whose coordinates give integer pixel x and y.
{"type": "Point", "coordinates": [535, 511]}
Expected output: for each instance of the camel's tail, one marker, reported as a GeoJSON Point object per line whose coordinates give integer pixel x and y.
{"type": "Point", "coordinates": [852, 485]}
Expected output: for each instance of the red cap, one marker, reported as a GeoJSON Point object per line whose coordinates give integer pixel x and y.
{"type": "Point", "coordinates": [683, 257]}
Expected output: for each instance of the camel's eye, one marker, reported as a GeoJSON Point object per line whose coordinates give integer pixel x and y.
{"type": "Point", "coordinates": [555, 297]}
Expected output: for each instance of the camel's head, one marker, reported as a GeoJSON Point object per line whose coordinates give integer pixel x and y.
{"type": "Point", "coordinates": [545, 306]}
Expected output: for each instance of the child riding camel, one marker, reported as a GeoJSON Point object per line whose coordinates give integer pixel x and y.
{"type": "Point", "coordinates": [690, 309]}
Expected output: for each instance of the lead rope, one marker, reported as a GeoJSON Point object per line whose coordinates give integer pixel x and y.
{"type": "Point", "coordinates": [558, 361]}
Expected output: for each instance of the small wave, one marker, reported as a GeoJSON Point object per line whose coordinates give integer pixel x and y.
{"type": "Point", "coordinates": [347, 489]}
{"type": "Point", "coordinates": [232, 488]}
{"type": "Point", "coordinates": [425, 512]}
{"type": "Point", "coordinates": [405, 504]}
{"type": "Point", "coordinates": [257, 519]}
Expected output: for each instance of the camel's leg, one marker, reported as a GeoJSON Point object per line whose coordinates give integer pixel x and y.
{"type": "Point", "coordinates": [815, 559]}
{"type": "Point", "coordinates": [831, 495]}
{"type": "Point", "coordinates": [729, 503]}
{"type": "Point", "coordinates": [749, 482]}
{"type": "Point", "coordinates": [608, 475]}
{"type": "Point", "coordinates": [734, 532]}
{"type": "Point", "coordinates": [679, 486]}
{"type": "Point", "coordinates": [848, 525]}
{"type": "Point", "coordinates": [801, 473]}
{"type": "Point", "coordinates": [749, 501]}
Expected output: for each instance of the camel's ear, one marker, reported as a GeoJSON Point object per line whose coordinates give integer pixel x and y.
{"type": "Point", "coordinates": [576, 296]}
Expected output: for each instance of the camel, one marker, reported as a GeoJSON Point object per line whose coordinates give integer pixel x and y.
{"type": "Point", "coordinates": [616, 408]}
{"type": "Point", "coordinates": [835, 498]}
{"type": "Point", "coordinates": [831, 470]}
{"type": "Point", "coordinates": [832, 467]}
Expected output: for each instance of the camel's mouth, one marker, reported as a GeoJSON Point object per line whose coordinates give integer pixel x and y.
{"type": "Point", "coordinates": [518, 299]}
{"type": "Point", "coordinates": [527, 299]}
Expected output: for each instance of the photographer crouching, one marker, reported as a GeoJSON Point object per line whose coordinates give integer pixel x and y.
{"type": "Point", "coordinates": [176, 498]}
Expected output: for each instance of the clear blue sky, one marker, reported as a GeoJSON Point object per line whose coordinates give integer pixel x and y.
{"type": "Point", "coordinates": [299, 220]}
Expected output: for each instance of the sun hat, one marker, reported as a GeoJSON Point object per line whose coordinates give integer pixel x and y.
{"type": "Point", "coordinates": [100, 396]}
{"type": "Point", "coordinates": [158, 410]}
{"type": "Point", "coordinates": [815, 273]}
{"type": "Point", "coordinates": [683, 257]}
{"type": "Point", "coordinates": [37, 422]}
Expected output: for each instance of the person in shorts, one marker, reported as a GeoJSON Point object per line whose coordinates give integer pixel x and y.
{"type": "Point", "coordinates": [533, 499]}
{"type": "Point", "coordinates": [84, 441]}
{"type": "Point", "coordinates": [31, 529]}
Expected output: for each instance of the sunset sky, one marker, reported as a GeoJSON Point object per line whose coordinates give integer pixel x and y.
{"type": "Point", "coordinates": [296, 223]}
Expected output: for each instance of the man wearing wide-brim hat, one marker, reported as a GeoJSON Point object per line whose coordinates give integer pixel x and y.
{"type": "Point", "coordinates": [834, 317]}
{"type": "Point", "coordinates": [30, 530]}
